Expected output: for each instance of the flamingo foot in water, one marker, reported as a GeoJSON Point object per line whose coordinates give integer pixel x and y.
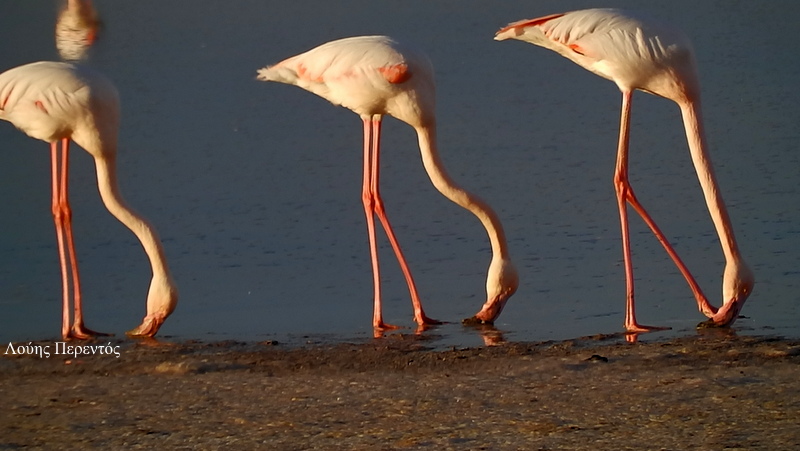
{"type": "Point", "coordinates": [633, 330]}
{"type": "Point", "coordinates": [383, 326]}
{"type": "Point", "coordinates": [636, 328]}
{"type": "Point", "coordinates": [81, 332]}
{"type": "Point", "coordinates": [379, 328]}
{"type": "Point", "coordinates": [425, 321]}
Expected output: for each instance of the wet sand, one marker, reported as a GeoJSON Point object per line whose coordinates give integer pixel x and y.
{"type": "Point", "coordinates": [712, 391]}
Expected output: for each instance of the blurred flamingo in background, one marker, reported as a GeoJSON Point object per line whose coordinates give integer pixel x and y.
{"type": "Point", "coordinates": [636, 52]}
{"type": "Point", "coordinates": [77, 27]}
{"type": "Point", "coordinates": [374, 76]}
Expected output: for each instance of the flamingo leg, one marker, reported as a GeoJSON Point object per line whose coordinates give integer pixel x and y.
{"type": "Point", "coordinates": [625, 195]}
{"type": "Point", "coordinates": [62, 215]}
{"type": "Point", "coordinates": [373, 204]}
{"type": "Point", "coordinates": [58, 219]}
{"type": "Point", "coordinates": [702, 302]}
{"type": "Point", "coordinates": [368, 201]}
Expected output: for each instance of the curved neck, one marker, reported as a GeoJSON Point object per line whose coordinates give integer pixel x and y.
{"type": "Point", "coordinates": [692, 119]}
{"type": "Point", "coordinates": [109, 192]}
{"type": "Point", "coordinates": [442, 181]}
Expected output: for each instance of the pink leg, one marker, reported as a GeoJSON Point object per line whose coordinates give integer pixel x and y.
{"type": "Point", "coordinates": [702, 302]}
{"type": "Point", "coordinates": [58, 219]}
{"type": "Point", "coordinates": [62, 213]}
{"type": "Point", "coordinates": [368, 201]}
{"type": "Point", "coordinates": [624, 195]}
{"type": "Point", "coordinates": [373, 203]}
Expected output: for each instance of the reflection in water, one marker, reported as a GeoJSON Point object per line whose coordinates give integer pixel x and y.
{"type": "Point", "coordinates": [441, 338]}
{"type": "Point", "coordinates": [491, 335]}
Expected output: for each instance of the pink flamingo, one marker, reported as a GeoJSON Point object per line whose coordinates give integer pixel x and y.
{"type": "Point", "coordinates": [374, 76]}
{"type": "Point", "coordinates": [639, 53]}
{"type": "Point", "coordinates": [61, 101]}
{"type": "Point", "coordinates": [76, 29]}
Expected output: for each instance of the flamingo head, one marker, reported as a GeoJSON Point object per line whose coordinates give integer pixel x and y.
{"type": "Point", "coordinates": [737, 284]}
{"type": "Point", "coordinates": [501, 283]}
{"type": "Point", "coordinates": [77, 28]}
{"type": "Point", "coordinates": [161, 302]}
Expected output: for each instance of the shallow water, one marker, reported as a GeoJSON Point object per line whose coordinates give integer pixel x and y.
{"type": "Point", "coordinates": [255, 188]}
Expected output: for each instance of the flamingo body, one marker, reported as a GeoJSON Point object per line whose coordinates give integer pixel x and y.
{"type": "Point", "coordinates": [368, 75]}
{"type": "Point", "coordinates": [375, 76]}
{"type": "Point", "coordinates": [633, 51]}
{"type": "Point", "coordinates": [56, 102]}
{"type": "Point", "coordinates": [638, 52]}
{"type": "Point", "coordinates": [50, 101]}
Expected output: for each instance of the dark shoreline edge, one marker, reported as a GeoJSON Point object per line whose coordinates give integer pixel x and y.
{"type": "Point", "coordinates": [398, 352]}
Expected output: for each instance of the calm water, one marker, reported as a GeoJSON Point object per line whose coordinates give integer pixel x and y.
{"type": "Point", "coordinates": [255, 187]}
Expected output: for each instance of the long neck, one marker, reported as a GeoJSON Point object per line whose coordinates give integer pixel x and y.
{"type": "Point", "coordinates": [692, 119]}
{"type": "Point", "coordinates": [442, 181]}
{"type": "Point", "coordinates": [109, 192]}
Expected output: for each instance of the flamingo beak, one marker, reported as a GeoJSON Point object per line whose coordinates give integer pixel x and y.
{"type": "Point", "coordinates": [726, 315]}
{"type": "Point", "coordinates": [489, 313]}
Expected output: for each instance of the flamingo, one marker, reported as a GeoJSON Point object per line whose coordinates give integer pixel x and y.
{"type": "Point", "coordinates": [56, 101]}
{"type": "Point", "coordinates": [637, 52]}
{"type": "Point", "coordinates": [374, 76]}
{"type": "Point", "coordinates": [76, 29]}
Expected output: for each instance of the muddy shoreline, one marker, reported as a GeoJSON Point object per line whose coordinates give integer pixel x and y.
{"type": "Point", "coordinates": [711, 391]}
